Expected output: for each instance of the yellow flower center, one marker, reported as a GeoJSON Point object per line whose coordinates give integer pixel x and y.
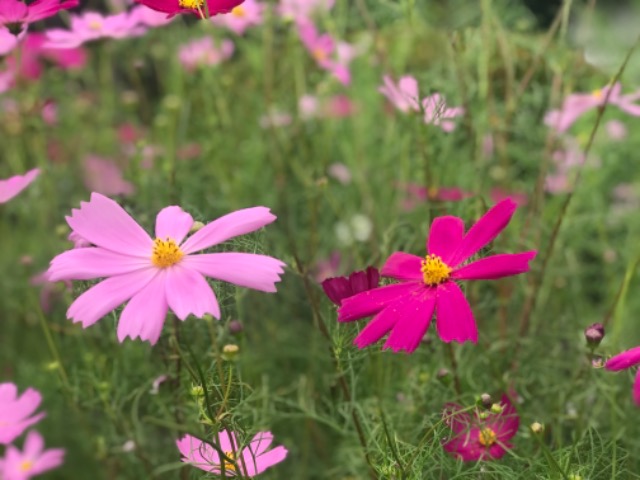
{"type": "Point", "coordinates": [432, 193]}
{"type": "Point", "coordinates": [26, 465]}
{"type": "Point", "coordinates": [195, 4]}
{"type": "Point", "coordinates": [226, 465]}
{"type": "Point", "coordinates": [239, 11]}
{"type": "Point", "coordinates": [165, 252]}
{"type": "Point", "coordinates": [320, 55]}
{"type": "Point", "coordinates": [434, 270]}
{"type": "Point", "coordinates": [597, 93]}
{"type": "Point", "coordinates": [487, 437]}
{"type": "Point", "coordinates": [95, 25]}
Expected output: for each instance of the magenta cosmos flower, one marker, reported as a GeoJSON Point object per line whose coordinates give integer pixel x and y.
{"type": "Point", "coordinates": [483, 435]}
{"type": "Point", "coordinates": [250, 461]}
{"type": "Point", "coordinates": [17, 412]}
{"type": "Point", "coordinates": [428, 284]}
{"type": "Point", "coordinates": [14, 14]}
{"type": "Point", "coordinates": [197, 7]}
{"type": "Point", "coordinates": [32, 461]}
{"type": "Point", "coordinates": [12, 186]}
{"type": "Point", "coordinates": [622, 361]}
{"type": "Point", "coordinates": [161, 273]}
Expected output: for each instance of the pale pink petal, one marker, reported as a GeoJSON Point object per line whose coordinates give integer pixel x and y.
{"type": "Point", "coordinates": [33, 444]}
{"type": "Point", "coordinates": [626, 359]}
{"type": "Point", "coordinates": [8, 391]}
{"type": "Point", "coordinates": [496, 266]}
{"type": "Point", "coordinates": [92, 262]}
{"type": "Point", "coordinates": [198, 453]}
{"type": "Point", "coordinates": [260, 442]}
{"type": "Point", "coordinates": [414, 315]}
{"type": "Point", "coordinates": [105, 224]}
{"type": "Point", "coordinates": [372, 301]}
{"type": "Point", "coordinates": [445, 236]}
{"type": "Point", "coordinates": [484, 231]}
{"type": "Point", "coordinates": [403, 266]}
{"type": "Point", "coordinates": [22, 406]}
{"type": "Point", "coordinates": [99, 300]}
{"type": "Point", "coordinates": [227, 441]}
{"type": "Point", "coordinates": [173, 222]}
{"type": "Point", "coordinates": [249, 270]}
{"type": "Point", "coordinates": [187, 292]}
{"type": "Point", "coordinates": [48, 460]}
{"type": "Point", "coordinates": [145, 313]}
{"type": "Point", "coordinates": [231, 225]}
{"type": "Point", "coordinates": [269, 459]}
{"type": "Point", "coordinates": [12, 186]}
{"type": "Point", "coordinates": [454, 318]}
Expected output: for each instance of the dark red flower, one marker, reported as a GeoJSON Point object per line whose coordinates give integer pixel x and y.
{"type": "Point", "coordinates": [339, 288]}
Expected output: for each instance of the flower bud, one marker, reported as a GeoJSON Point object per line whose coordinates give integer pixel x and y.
{"type": "Point", "coordinates": [196, 226]}
{"type": "Point", "coordinates": [594, 334]}
{"type": "Point", "coordinates": [235, 327]}
{"type": "Point", "coordinates": [537, 427]}
{"type": "Point", "coordinates": [230, 351]}
{"type": "Point", "coordinates": [484, 401]}
{"type": "Point", "coordinates": [444, 376]}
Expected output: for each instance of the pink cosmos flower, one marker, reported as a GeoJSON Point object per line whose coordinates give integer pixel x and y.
{"type": "Point", "coordinates": [339, 288]}
{"type": "Point", "coordinates": [337, 106]}
{"type": "Point", "coordinates": [203, 53]}
{"type": "Point", "coordinates": [437, 113]}
{"type": "Point", "coordinates": [9, 41]}
{"type": "Point", "coordinates": [577, 104]}
{"type": "Point", "coordinates": [12, 186]}
{"type": "Point", "coordinates": [195, 7]}
{"type": "Point", "coordinates": [249, 14]}
{"type": "Point", "coordinates": [622, 361]}
{"type": "Point", "coordinates": [14, 14]}
{"type": "Point", "coordinates": [303, 9]}
{"type": "Point", "coordinates": [155, 275]}
{"type": "Point", "coordinates": [32, 52]}
{"type": "Point", "coordinates": [329, 55]}
{"type": "Point", "coordinates": [615, 129]}
{"type": "Point", "coordinates": [483, 434]}
{"type": "Point", "coordinates": [417, 194]}
{"type": "Point", "coordinates": [105, 176]}
{"type": "Point", "coordinates": [16, 412]}
{"type": "Point", "coordinates": [250, 461]}
{"type": "Point", "coordinates": [32, 461]}
{"type": "Point", "coordinates": [145, 16]}
{"type": "Point", "coordinates": [428, 284]}
{"type": "Point", "coordinates": [403, 95]}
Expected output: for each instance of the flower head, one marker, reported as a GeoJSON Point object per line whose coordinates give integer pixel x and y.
{"type": "Point", "coordinates": [203, 52]}
{"type": "Point", "coordinates": [32, 461]}
{"type": "Point", "coordinates": [249, 461]}
{"type": "Point", "coordinates": [14, 14]}
{"type": "Point", "coordinates": [200, 8]}
{"type": "Point", "coordinates": [402, 95]}
{"type": "Point", "coordinates": [436, 112]}
{"type": "Point", "coordinates": [622, 361]}
{"type": "Point", "coordinates": [249, 14]}
{"type": "Point", "coordinates": [157, 274]}
{"type": "Point", "coordinates": [303, 9]}
{"type": "Point", "coordinates": [105, 176]}
{"type": "Point", "coordinates": [339, 288]}
{"type": "Point", "coordinates": [17, 412]}
{"type": "Point", "coordinates": [429, 285]}
{"type": "Point", "coordinates": [329, 55]}
{"type": "Point", "coordinates": [483, 435]}
{"type": "Point", "coordinates": [12, 186]}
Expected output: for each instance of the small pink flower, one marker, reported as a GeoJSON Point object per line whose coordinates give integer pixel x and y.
{"type": "Point", "coordinates": [339, 288]}
{"type": "Point", "coordinates": [12, 186]}
{"type": "Point", "coordinates": [403, 95]}
{"type": "Point", "coordinates": [437, 113]}
{"type": "Point", "coordinates": [49, 291]}
{"type": "Point", "coordinates": [17, 412]}
{"type": "Point", "coordinates": [32, 52]}
{"type": "Point", "coordinates": [615, 129]}
{"type": "Point", "coordinates": [204, 53]}
{"type": "Point", "coordinates": [104, 176]}
{"type": "Point", "coordinates": [14, 14]}
{"type": "Point", "coordinates": [200, 8]}
{"type": "Point", "coordinates": [337, 106]}
{"type": "Point", "coordinates": [329, 55]}
{"type": "Point", "coordinates": [622, 361]}
{"type": "Point", "coordinates": [340, 172]}
{"type": "Point", "coordinates": [417, 194]}
{"type": "Point", "coordinates": [429, 285]}
{"type": "Point", "coordinates": [249, 14]}
{"type": "Point", "coordinates": [250, 461]}
{"type": "Point", "coordinates": [161, 274]}
{"type": "Point", "coordinates": [484, 435]}
{"type": "Point", "coordinates": [32, 461]}
{"type": "Point", "coordinates": [303, 9]}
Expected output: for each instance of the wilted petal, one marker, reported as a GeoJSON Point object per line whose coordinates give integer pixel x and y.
{"type": "Point", "coordinates": [187, 292]}
{"type": "Point", "coordinates": [496, 266]}
{"type": "Point", "coordinates": [173, 222]}
{"type": "Point", "coordinates": [414, 315]}
{"type": "Point", "coordinates": [454, 318]}
{"type": "Point", "coordinates": [403, 266]}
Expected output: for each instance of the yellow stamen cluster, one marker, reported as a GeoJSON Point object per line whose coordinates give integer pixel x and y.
{"type": "Point", "coordinates": [239, 11]}
{"type": "Point", "coordinates": [597, 93]}
{"type": "Point", "coordinates": [165, 253]}
{"type": "Point", "coordinates": [320, 55]}
{"type": "Point", "coordinates": [487, 437]}
{"type": "Point", "coordinates": [95, 25]}
{"type": "Point", "coordinates": [226, 465]}
{"type": "Point", "coordinates": [434, 270]}
{"type": "Point", "coordinates": [195, 4]}
{"type": "Point", "coordinates": [26, 465]}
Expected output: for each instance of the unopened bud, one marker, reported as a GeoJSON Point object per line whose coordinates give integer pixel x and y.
{"type": "Point", "coordinates": [196, 226]}
{"type": "Point", "coordinates": [235, 327]}
{"type": "Point", "coordinates": [444, 376]}
{"type": "Point", "coordinates": [537, 427]}
{"type": "Point", "coordinates": [594, 334]}
{"type": "Point", "coordinates": [229, 352]}
{"type": "Point", "coordinates": [197, 391]}
{"type": "Point", "coordinates": [597, 362]}
{"type": "Point", "coordinates": [485, 401]}
{"type": "Point", "coordinates": [496, 408]}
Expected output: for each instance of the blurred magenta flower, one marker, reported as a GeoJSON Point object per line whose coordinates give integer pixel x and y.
{"type": "Point", "coordinates": [200, 8]}
{"type": "Point", "coordinates": [303, 9]}
{"type": "Point", "coordinates": [91, 26]}
{"type": "Point", "coordinates": [32, 461]}
{"type": "Point", "coordinates": [250, 461]}
{"type": "Point", "coordinates": [428, 284]}
{"type": "Point", "coordinates": [105, 176]}
{"type": "Point", "coordinates": [403, 95]}
{"type": "Point", "coordinates": [627, 359]}
{"type": "Point", "coordinates": [12, 186]}
{"type": "Point", "coordinates": [577, 104]}
{"type": "Point", "coordinates": [329, 55]}
{"type": "Point", "coordinates": [436, 112]}
{"type": "Point", "coordinates": [15, 15]}
{"type": "Point", "coordinates": [339, 288]}
{"type": "Point", "coordinates": [202, 52]}
{"type": "Point", "coordinates": [155, 275]}
{"type": "Point", "coordinates": [249, 14]}
{"type": "Point", "coordinates": [16, 412]}
{"type": "Point", "coordinates": [483, 435]}
{"type": "Point", "coordinates": [32, 53]}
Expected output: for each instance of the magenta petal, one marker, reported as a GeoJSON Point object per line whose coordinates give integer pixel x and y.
{"type": "Point", "coordinates": [377, 328]}
{"type": "Point", "coordinates": [372, 301]}
{"type": "Point", "coordinates": [188, 293]}
{"type": "Point", "coordinates": [173, 222]}
{"type": "Point", "coordinates": [231, 225]}
{"type": "Point", "coordinates": [455, 419]}
{"type": "Point", "coordinates": [91, 262]}
{"type": "Point", "coordinates": [484, 231]}
{"type": "Point", "coordinates": [414, 317]}
{"type": "Point", "coordinates": [145, 313]}
{"type": "Point", "coordinates": [454, 318]}
{"type": "Point", "coordinates": [496, 266]}
{"type": "Point", "coordinates": [445, 236]}
{"type": "Point", "coordinates": [623, 360]}
{"type": "Point", "coordinates": [636, 389]}
{"type": "Point", "coordinates": [403, 266]}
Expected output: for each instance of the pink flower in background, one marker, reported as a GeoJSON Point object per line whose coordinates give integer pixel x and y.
{"type": "Point", "coordinates": [199, 8]}
{"type": "Point", "coordinates": [9, 41]}
{"type": "Point", "coordinates": [6, 82]}
{"type": "Point", "coordinates": [104, 176]}
{"type": "Point", "coordinates": [340, 172]}
{"type": "Point", "coordinates": [17, 412]}
{"type": "Point", "coordinates": [161, 274]}
{"type": "Point", "coordinates": [498, 194]}
{"type": "Point", "coordinates": [32, 461]}
{"type": "Point", "coordinates": [339, 288]}
{"type": "Point", "coordinates": [481, 435]}
{"type": "Point", "coordinates": [328, 267]}
{"type": "Point", "coordinates": [274, 119]}
{"type": "Point", "coordinates": [577, 104]}
{"type": "Point", "coordinates": [303, 9]}
{"type": "Point", "coordinates": [12, 186]}
{"type": "Point", "coordinates": [15, 15]}
{"type": "Point", "coordinates": [145, 16]}
{"type": "Point", "coordinates": [564, 161]}
{"type": "Point", "coordinates": [418, 194]}
{"type": "Point", "coordinates": [49, 290]}
{"type": "Point", "coordinates": [250, 461]}
{"type": "Point", "coordinates": [403, 95]}
{"type": "Point", "coordinates": [78, 241]}
{"type": "Point", "coordinates": [437, 113]}
{"type": "Point", "coordinates": [616, 129]}
{"type": "Point", "coordinates": [428, 284]}
{"type": "Point", "coordinates": [627, 359]}
{"type": "Point", "coordinates": [329, 55]}
{"type": "Point", "coordinates": [249, 14]}
{"type": "Point", "coordinates": [204, 53]}
{"type": "Point", "coordinates": [337, 106]}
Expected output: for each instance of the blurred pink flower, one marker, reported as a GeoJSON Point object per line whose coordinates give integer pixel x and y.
{"type": "Point", "coordinates": [15, 15]}
{"type": "Point", "coordinates": [78, 241]}
{"type": "Point", "coordinates": [577, 104]}
{"type": "Point", "coordinates": [6, 80]}
{"type": "Point", "coordinates": [303, 9]}
{"type": "Point", "coordinates": [90, 26]}
{"type": "Point", "coordinates": [564, 163]}
{"type": "Point", "coordinates": [616, 129]}
{"type": "Point", "coordinates": [403, 95]}
{"type": "Point", "coordinates": [329, 55]}
{"type": "Point", "coordinates": [483, 435]}
{"type": "Point", "coordinates": [437, 113]}
{"type": "Point", "coordinates": [498, 194]}
{"type": "Point", "coordinates": [249, 14]}
{"type": "Point", "coordinates": [204, 53]}
{"type": "Point", "coordinates": [155, 275]}
{"type": "Point", "coordinates": [16, 411]}
{"type": "Point", "coordinates": [32, 52]}
{"type": "Point", "coordinates": [104, 176]}
{"type": "Point", "coordinates": [417, 194]}
{"type": "Point", "coordinates": [32, 461]}
{"type": "Point", "coordinates": [627, 359]}
{"type": "Point", "coordinates": [12, 186]}
{"type": "Point", "coordinates": [49, 289]}
{"type": "Point", "coordinates": [328, 267]}
{"type": "Point", "coordinates": [337, 106]}
{"type": "Point", "coordinates": [429, 285]}
{"type": "Point", "coordinates": [252, 460]}
{"type": "Point", "coordinates": [195, 7]}
{"type": "Point", "coordinates": [340, 172]}
{"type": "Point", "coordinates": [9, 41]}
{"type": "Point", "coordinates": [145, 16]}
{"type": "Point", "coordinates": [49, 113]}
{"type": "Point", "coordinates": [274, 119]}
